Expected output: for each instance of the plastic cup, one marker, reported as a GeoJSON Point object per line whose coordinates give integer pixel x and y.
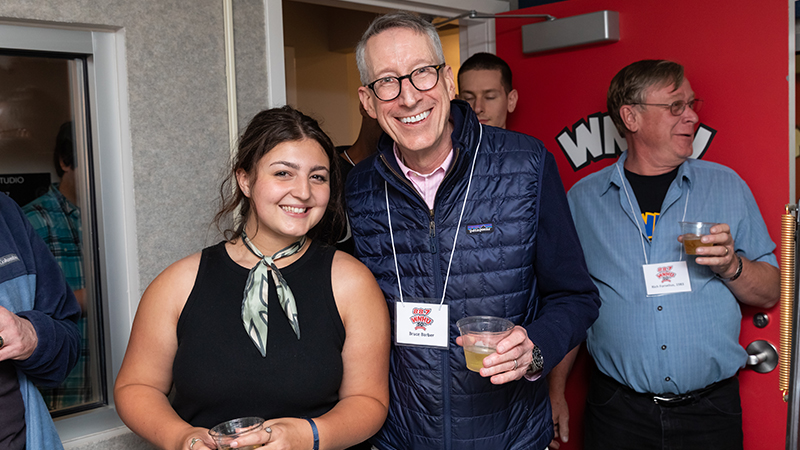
{"type": "Point", "coordinates": [227, 432]}
{"type": "Point", "coordinates": [692, 232]}
{"type": "Point", "coordinates": [480, 335]}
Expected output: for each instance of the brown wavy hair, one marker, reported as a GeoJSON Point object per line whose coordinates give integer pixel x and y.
{"type": "Point", "coordinates": [266, 130]}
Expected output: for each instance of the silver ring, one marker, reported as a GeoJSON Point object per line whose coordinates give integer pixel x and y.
{"type": "Point", "coordinates": [194, 441]}
{"type": "Point", "coordinates": [268, 430]}
{"type": "Point", "coordinates": [2, 342]}
{"type": "Point", "coordinates": [515, 365]}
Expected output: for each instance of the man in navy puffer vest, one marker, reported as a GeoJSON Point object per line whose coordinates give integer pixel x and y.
{"type": "Point", "coordinates": [457, 219]}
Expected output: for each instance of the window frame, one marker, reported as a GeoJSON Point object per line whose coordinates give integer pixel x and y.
{"type": "Point", "coordinates": [111, 155]}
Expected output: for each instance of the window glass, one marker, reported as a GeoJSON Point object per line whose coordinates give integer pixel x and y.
{"type": "Point", "coordinates": [45, 167]}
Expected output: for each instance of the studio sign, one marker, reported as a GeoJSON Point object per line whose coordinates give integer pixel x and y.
{"type": "Point", "coordinates": [596, 138]}
{"type": "Point", "coordinates": [12, 180]}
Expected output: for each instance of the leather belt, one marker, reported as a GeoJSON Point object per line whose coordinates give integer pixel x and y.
{"type": "Point", "coordinates": [689, 397]}
{"type": "Point", "coordinates": [668, 399]}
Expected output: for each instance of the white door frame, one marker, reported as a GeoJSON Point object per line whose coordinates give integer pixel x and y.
{"type": "Point", "coordinates": [475, 35]}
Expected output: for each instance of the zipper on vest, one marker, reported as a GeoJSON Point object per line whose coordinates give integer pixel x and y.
{"type": "Point", "coordinates": [446, 422]}
{"type": "Point", "coordinates": [432, 233]}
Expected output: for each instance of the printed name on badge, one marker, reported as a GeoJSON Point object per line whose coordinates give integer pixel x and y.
{"type": "Point", "coordinates": [666, 278]}
{"type": "Point", "coordinates": [422, 324]}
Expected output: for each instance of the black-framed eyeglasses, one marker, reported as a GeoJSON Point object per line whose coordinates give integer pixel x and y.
{"type": "Point", "coordinates": [423, 79]}
{"type": "Point", "coordinates": [678, 106]}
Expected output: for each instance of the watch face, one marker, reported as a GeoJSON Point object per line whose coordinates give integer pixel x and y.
{"type": "Point", "coordinates": [537, 362]}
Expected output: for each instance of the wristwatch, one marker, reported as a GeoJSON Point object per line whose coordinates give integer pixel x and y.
{"type": "Point", "coordinates": [736, 274]}
{"type": "Point", "coordinates": [537, 362]}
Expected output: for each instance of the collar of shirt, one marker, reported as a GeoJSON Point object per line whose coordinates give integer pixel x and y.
{"type": "Point", "coordinates": [685, 175]}
{"type": "Point", "coordinates": [66, 205]}
{"type": "Point", "coordinates": [426, 184]}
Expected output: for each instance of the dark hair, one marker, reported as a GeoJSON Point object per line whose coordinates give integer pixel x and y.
{"type": "Point", "coordinates": [488, 61]}
{"type": "Point", "coordinates": [399, 19]}
{"type": "Point", "coordinates": [65, 148]}
{"type": "Point", "coordinates": [266, 130]}
{"type": "Point", "coordinates": [630, 84]}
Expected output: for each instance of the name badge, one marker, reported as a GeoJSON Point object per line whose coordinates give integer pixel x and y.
{"type": "Point", "coordinates": [666, 278]}
{"type": "Point", "coordinates": [422, 324]}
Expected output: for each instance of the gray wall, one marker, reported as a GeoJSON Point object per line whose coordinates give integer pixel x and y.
{"type": "Point", "coordinates": [178, 106]}
{"type": "Point", "coordinates": [178, 115]}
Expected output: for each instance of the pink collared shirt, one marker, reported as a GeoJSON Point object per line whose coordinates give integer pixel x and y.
{"type": "Point", "coordinates": [426, 185]}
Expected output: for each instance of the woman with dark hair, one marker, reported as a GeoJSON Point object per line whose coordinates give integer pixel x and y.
{"type": "Point", "coordinates": [221, 329]}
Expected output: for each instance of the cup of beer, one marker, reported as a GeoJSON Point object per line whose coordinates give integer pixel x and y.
{"type": "Point", "coordinates": [227, 432]}
{"type": "Point", "coordinates": [480, 335]}
{"type": "Point", "coordinates": [692, 232]}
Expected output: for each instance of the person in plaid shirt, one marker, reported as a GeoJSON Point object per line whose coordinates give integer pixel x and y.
{"type": "Point", "coordinates": [57, 220]}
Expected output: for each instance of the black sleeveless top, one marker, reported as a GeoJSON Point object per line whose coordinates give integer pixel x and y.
{"type": "Point", "coordinates": [218, 372]}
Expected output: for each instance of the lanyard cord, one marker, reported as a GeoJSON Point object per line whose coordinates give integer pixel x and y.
{"type": "Point", "coordinates": [633, 211]}
{"type": "Point", "coordinates": [391, 235]}
{"type": "Point", "coordinates": [461, 216]}
{"type": "Point", "coordinates": [636, 218]}
{"type": "Point", "coordinates": [455, 238]}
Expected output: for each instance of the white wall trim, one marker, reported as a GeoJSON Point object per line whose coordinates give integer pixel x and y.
{"type": "Point", "coordinates": [444, 8]}
{"type": "Point", "coordinates": [458, 6]}
{"type": "Point", "coordinates": [94, 438]}
{"type": "Point", "coordinates": [476, 35]}
{"type": "Point", "coordinates": [276, 72]}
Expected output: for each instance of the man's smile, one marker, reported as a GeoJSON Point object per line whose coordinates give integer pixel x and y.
{"type": "Point", "coordinates": [415, 119]}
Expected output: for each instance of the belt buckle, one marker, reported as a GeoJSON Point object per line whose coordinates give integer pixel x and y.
{"type": "Point", "coordinates": [659, 400]}
{"type": "Point", "coordinates": [672, 401]}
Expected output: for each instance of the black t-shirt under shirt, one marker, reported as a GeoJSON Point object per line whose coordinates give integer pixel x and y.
{"type": "Point", "coordinates": [650, 192]}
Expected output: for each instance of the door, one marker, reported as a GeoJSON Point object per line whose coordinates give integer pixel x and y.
{"type": "Point", "coordinates": [737, 58]}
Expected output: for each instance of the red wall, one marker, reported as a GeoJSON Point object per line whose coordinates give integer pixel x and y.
{"type": "Point", "coordinates": [736, 56]}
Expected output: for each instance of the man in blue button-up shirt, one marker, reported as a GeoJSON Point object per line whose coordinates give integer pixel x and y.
{"type": "Point", "coordinates": [667, 363]}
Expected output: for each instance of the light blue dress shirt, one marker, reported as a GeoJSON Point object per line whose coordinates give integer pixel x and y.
{"type": "Point", "coordinates": [671, 343]}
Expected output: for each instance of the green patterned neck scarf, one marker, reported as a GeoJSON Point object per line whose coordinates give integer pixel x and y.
{"type": "Point", "coordinates": [254, 304]}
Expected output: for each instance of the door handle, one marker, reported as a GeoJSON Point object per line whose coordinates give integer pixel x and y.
{"type": "Point", "coordinates": [762, 357]}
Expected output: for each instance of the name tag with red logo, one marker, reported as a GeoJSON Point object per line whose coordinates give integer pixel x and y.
{"type": "Point", "coordinates": [422, 324]}
{"type": "Point", "coordinates": [666, 278]}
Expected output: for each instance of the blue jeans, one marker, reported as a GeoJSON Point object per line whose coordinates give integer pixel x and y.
{"type": "Point", "coordinates": [617, 418]}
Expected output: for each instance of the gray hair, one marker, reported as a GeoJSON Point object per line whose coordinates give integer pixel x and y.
{"type": "Point", "coordinates": [399, 19]}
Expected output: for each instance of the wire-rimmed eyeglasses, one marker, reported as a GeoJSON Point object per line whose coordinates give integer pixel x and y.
{"type": "Point", "coordinates": [678, 106]}
{"type": "Point", "coordinates": [423, 79]}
